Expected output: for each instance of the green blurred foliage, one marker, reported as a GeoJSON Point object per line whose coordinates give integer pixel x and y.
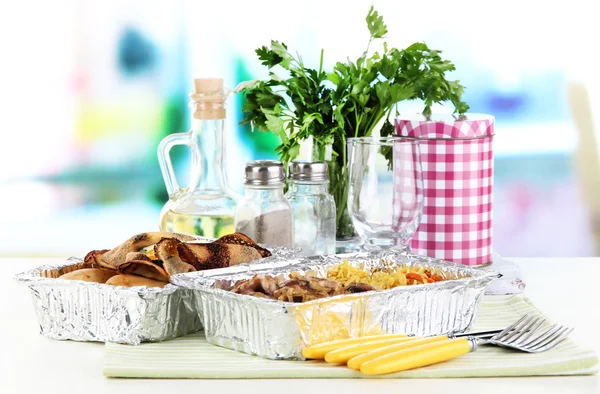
{"type": "Point", "coordinates": [261, 144]}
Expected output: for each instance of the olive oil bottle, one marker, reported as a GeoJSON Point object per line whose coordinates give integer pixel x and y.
{"type": "Point", "coordinates": [206, 206]}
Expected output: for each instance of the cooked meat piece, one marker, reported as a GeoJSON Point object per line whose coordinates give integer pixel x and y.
{"type": "Point", "coordinates": [299, 283]}
{"type": "Point", "coordinates": [357, 287]}
{"type": "Point", "coordinates": [292, 293]}
{"type": "Point", "coordinates": [248, 285]}
{"type": "Point", "coordinates": [297, 290]}
{"type": "Point", "coordinates": [326, 285]}
{"type": "Point", "coordinates": [320, 284]}
{"type": "Point", "coordinates": [259, 283]}
{"type": "Point", "coordinates": [259, 295]}
{"type": "Point", "coordinates": [270, 284]}
{"type": "Point", "coordinates": [223, 284]}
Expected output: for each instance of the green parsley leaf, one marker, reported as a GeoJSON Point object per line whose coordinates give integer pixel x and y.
{"type": "Point", "coordinates": [350, 100]}
{"type": "Point", "coordinates": [377, 28]}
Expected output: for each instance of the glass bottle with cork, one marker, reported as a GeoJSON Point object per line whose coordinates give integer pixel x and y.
{"type": "Point", "coordinates": [205, 207]}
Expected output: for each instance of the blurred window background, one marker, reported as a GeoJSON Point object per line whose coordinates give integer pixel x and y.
{"type": "Point", "coordinates": [88, 90]}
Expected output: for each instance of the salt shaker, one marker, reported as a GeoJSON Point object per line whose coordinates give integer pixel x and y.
{"type": "Point", "coordinates": [264, 214]}
{"type": "Point", "coordinates": [313, 207]}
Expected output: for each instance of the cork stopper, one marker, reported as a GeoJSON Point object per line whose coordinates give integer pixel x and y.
{"type": "Point", "coordinates": [208, 99]}
{"type": "Point", "coordinates": [208, 85]}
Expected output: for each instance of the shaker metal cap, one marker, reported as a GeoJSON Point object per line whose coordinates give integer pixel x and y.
{"type": "Point", "coordinates": [315, 171]}
{"type": "Point", "coordinates": [264, 173]}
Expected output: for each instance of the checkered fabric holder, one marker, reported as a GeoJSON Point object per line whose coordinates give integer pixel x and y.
{"type": "Point", "coordinates": [458, 173]}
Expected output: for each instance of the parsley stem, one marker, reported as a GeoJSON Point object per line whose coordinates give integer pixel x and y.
{"type": "Point", "coordinates": [321, 62]}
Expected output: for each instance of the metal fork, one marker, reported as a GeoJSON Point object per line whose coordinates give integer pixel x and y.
{"type": "Point", "coordinates": [527, 335]}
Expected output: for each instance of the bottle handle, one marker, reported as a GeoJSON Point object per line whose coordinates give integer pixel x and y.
{"type": "Point", "coordinates": [164, 159]}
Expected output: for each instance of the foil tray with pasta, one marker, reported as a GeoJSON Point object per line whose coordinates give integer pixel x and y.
{"type": "Point", "coordinates": [280, 330]}
{"type": "Point", "coordinates": [85, 311]}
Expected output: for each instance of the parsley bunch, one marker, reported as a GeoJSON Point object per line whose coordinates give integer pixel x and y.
{"type": "Point", "coordinates": [349, 101]}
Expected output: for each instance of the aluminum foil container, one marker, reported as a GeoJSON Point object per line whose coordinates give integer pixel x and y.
{"type": "Point", "coordinates": [85, 311]}
{"type": "Point", "coordinates": [280, 330]}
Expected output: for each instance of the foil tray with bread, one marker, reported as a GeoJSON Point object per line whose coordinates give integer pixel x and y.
{"type": "Point", "coordinates": [123, 294]}
{"type": "Point", "coordinates": [278, 308]}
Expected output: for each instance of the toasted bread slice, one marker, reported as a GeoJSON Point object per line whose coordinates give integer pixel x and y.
{"type": "Point", "coordinates": [146, 268]}
{"type": "Point", "coordinates": [215, 255]}
{"type": "Point", "coordinates": [244, 240]}
{"type": "Point", "coordinates": [97, 275]}
{"type": "Point", "coordinates": [179, 257]}
{"type": "Point", "coordinates": [134, 280]}
{"type": "Point", "coordinates": [94, 259]}
{"type": "Point", "coordinates": [168, 251]}
{"type": "Point", "coordinates": [114, 257]}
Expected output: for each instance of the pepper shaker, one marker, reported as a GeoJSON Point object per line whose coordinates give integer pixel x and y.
{"type": "Point", "coordinates": [313, 207]}
{"type": "Point", "coordinates": [264, 214]}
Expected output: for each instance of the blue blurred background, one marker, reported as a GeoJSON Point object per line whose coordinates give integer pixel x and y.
{"type": "Point", "coordinates": [90, 88]}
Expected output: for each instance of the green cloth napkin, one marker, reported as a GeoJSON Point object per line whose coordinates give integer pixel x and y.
{"type": "Point", "coordinates": [193, 357]}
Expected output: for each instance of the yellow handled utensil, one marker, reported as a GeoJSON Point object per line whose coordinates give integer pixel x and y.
{"type": "Point", "coordinates": [528, 334]}
{"type": "Point", "coordinates": [356, 362]}
{"type": "Point", "coordinates": [417, 356]}
{"type": "Point", "coordinates": [319, 351]}
{"type": "Point", "coordinates": [343, 354]}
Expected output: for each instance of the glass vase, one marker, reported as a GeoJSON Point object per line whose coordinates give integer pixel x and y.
{"type": "Point", "coordinates": [347, 239]}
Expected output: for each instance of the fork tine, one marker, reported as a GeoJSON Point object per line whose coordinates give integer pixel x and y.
{"type": "Point", "coordinates": [554, 340]}
{"type": "Point", "coordinates": [507, 329]}
{"type": "Point", "coordinates": [557, 341]}
{"type": "Point", "coordinates": [542, 337]}
{"type": "Point", "coordinates": [538, 323]}
{"type": "Point", "coordinates": [518, 330]}
{"type": "Point", "coordinates": [525, 331]}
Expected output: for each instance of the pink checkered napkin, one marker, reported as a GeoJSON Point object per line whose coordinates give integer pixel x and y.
{"type": "Point", "coordinates": [458, 170]}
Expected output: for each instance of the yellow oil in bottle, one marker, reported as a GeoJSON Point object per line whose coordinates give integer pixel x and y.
{"type": "Point", "coordinates": [213, 226]}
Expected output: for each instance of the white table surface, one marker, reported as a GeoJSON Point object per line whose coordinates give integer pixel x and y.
{"type": "Point", "coordinates": [566, 289]}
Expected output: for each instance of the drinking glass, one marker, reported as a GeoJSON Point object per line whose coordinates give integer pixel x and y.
{"type": "Point", "coordinates": [385, 197]}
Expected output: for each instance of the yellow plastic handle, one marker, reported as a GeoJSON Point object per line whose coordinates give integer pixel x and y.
{"type": "Point", "coordinates": [415, 357]}
{"type": "Point", "coordinates": [319, 351]}
{"type": "Point", "coordinates": [356, 362]}
{"type": "Point", "coordinates": [343, 354]}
